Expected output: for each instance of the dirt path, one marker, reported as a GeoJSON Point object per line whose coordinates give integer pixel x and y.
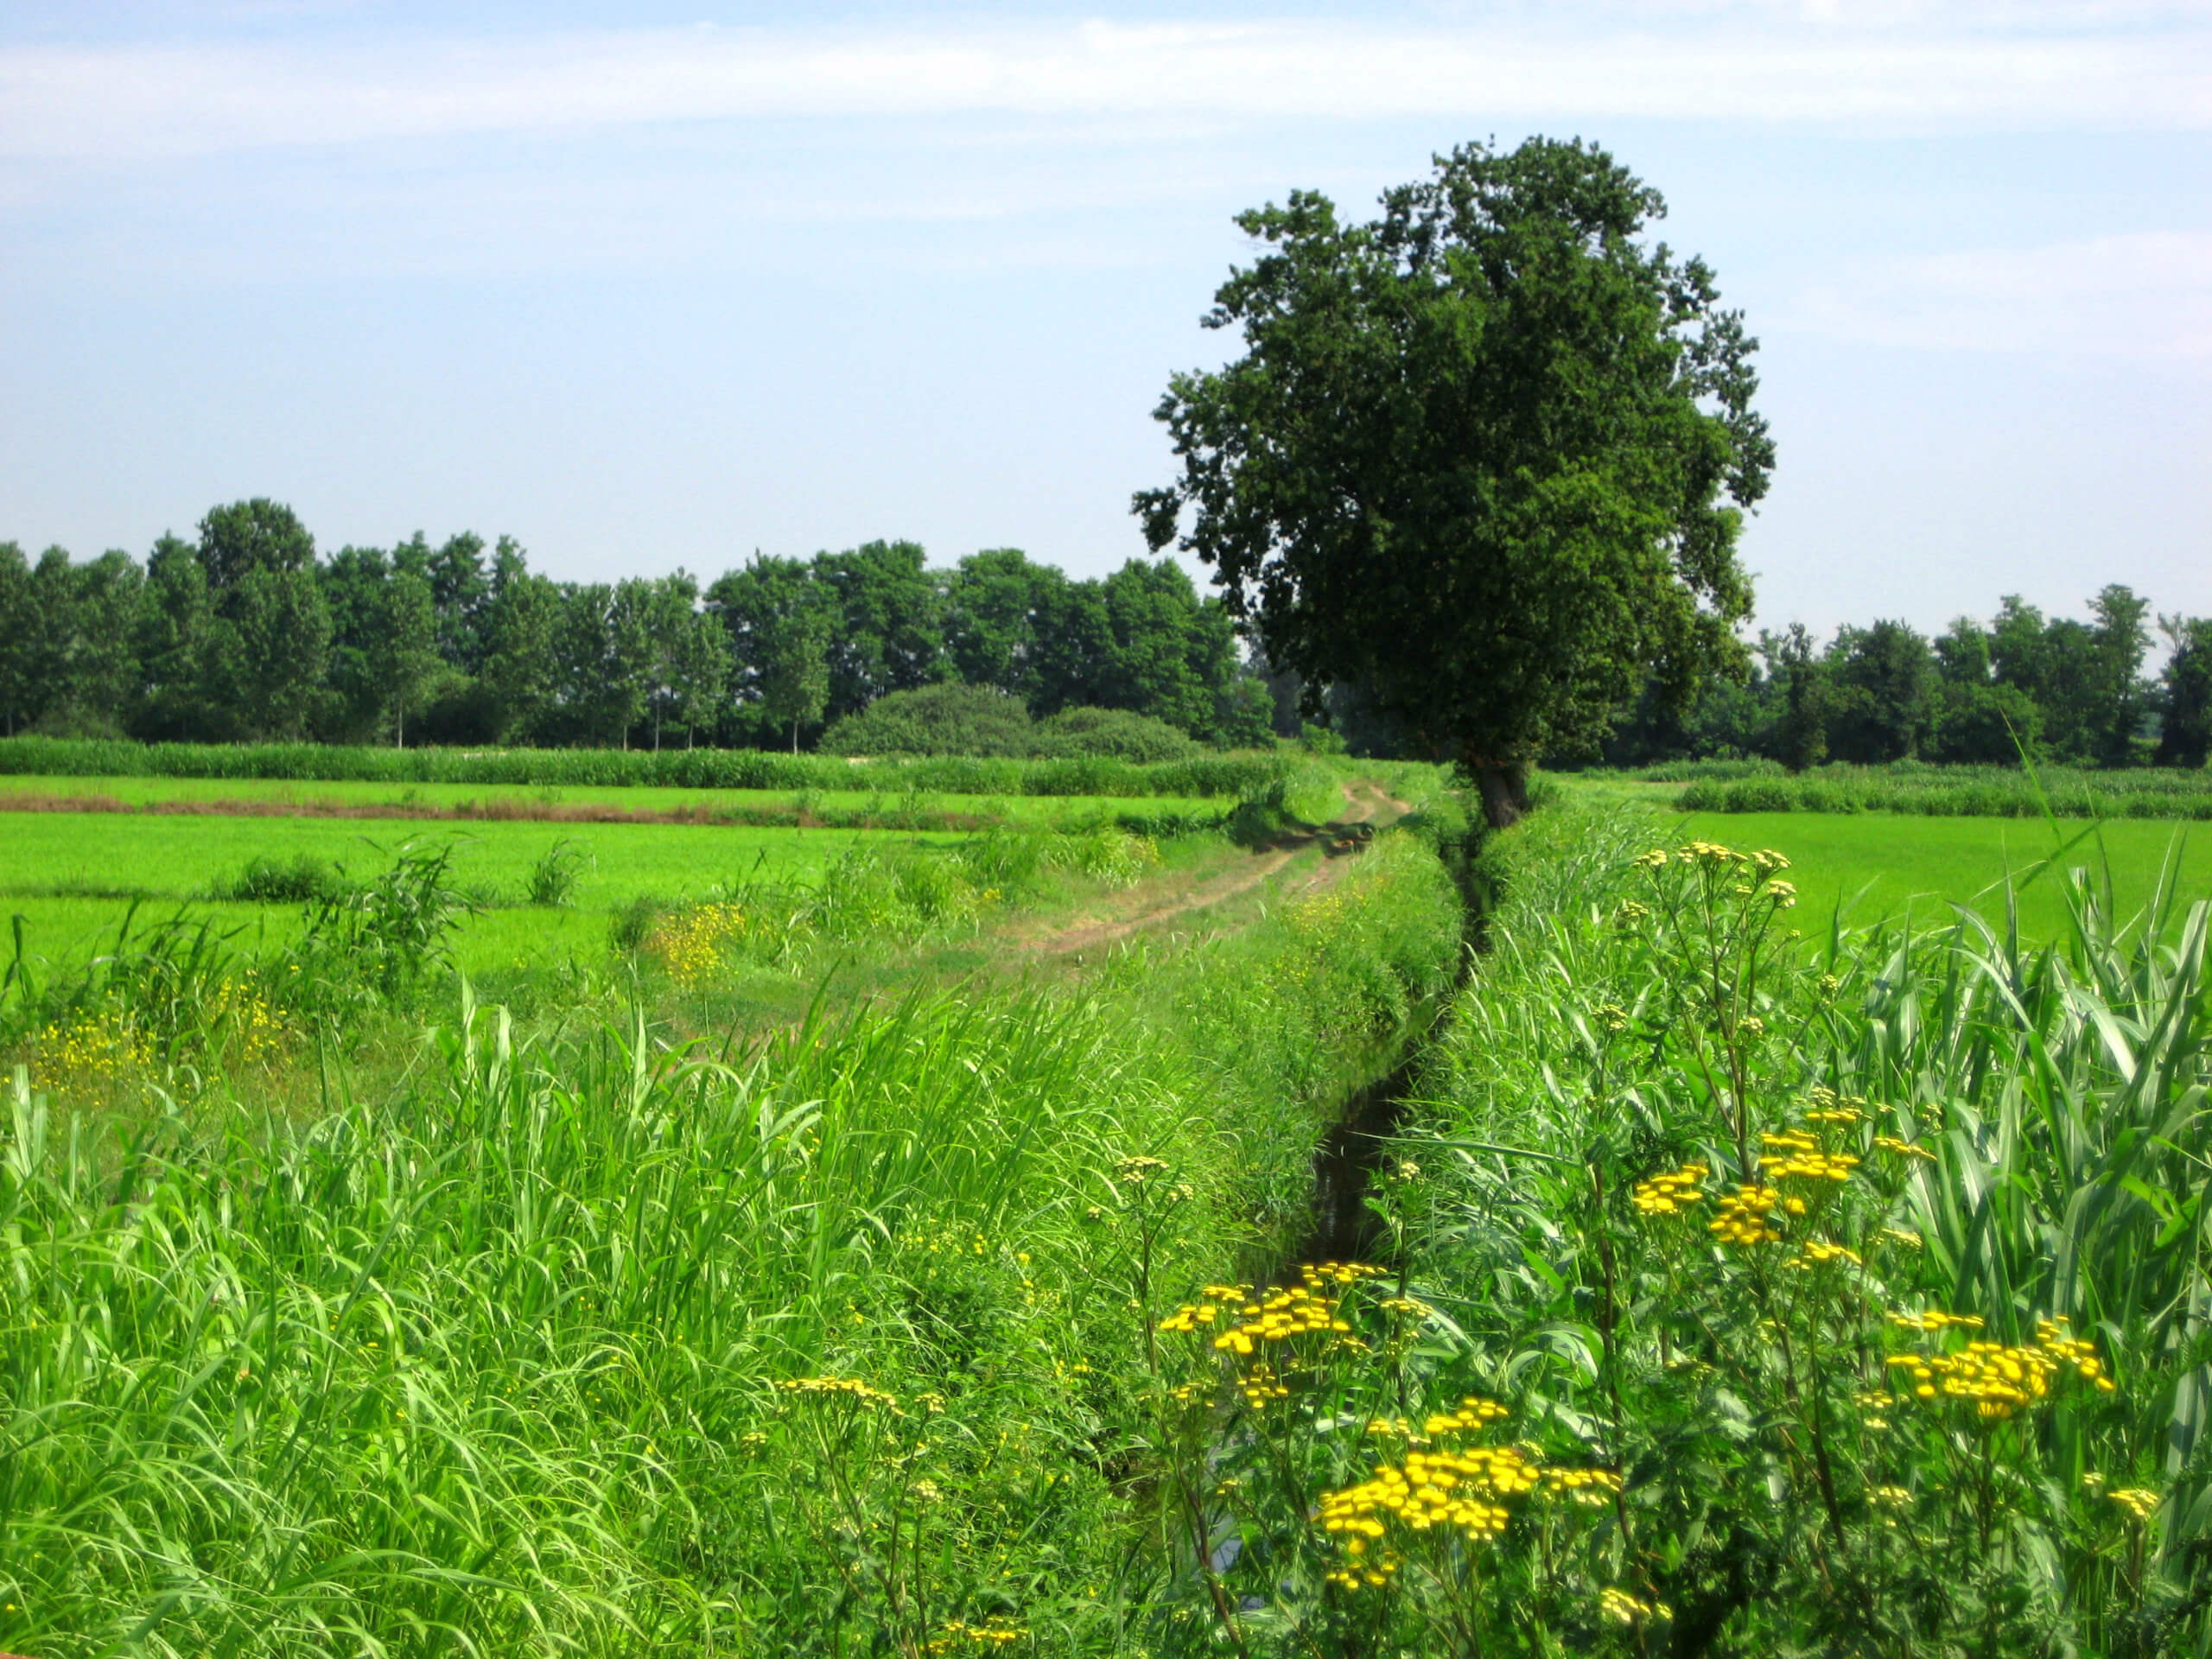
{"type": "Point", "coordinates": [1340, 838]}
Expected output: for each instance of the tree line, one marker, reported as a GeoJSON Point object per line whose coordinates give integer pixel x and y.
{"type": "Point", "coordinates": [246, 633]}
{"type": "Point", "coordinates": [2059, 688]}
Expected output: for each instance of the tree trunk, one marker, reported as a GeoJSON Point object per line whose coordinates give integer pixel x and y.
{"type": "Point", "coordinates": [794, 737]}
{"type": "Point", "coordinates": [1504, 785]}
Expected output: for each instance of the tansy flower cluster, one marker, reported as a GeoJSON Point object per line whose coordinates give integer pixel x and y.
{"type": "Point", "coordinates": [1818, 1252]}
{"type": "Point", "coordinates": [2000, 1380]}
{"type": "Point", "coordinates": [1464, 1490]}
{"type": "Point", "coordinates": [1293, 1313]}
{"type": "Point", "coordinates": [1828, 1107]}
{"type": "Point", "coordinates": [1667, 1194]}
{"type": "Point", "coordinates": [841, 1389]}
{"type": "Point", "coordinates": [1902, 1148]}
{"type": "Point", "coordinates": [1746, 1215]}
{"type": "Point", "coordinates": [257, 1027]}
{"type": "Point", "coordinates": [1801, 1158]}
{"type": "Point", "coordinates": [1624, 1609]}
{"type": "Point", "coordinates": [992, 1633]}
{"type": "Point", "coordinates": [2138, 1501]}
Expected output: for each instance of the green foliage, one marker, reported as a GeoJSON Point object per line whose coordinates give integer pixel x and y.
{"type": "Point", "coordinates": [552, 879]}
{"type": "Point", "coordinates": [302, 879]}
{"type": "Point", "coordinates": [1959, 792]}
{"type": "Point", "coordinates": [1514, 509]}
{"type": "Point", "coordinates": [1664, 1193]}
{"type": "Point", "coordinates": [948, 719]}
{"type": "Point", "coordinates": [491, 1359]}
{"type": "Point", "coordinates": [386, 935]}
{"type": "Point", "coordinates": [1117, 733]}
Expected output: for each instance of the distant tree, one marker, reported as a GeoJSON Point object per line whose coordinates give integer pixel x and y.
{"type": "Point", "coordinates": [1243, 711]}
{"type": "Point", "coordinates": [1975, 723]}
{"type": "Point", "coordinates": [99, 667]}
{"type": "Point", "coordinates": [2185, 692]}
{"type": "Point", "coordinates": [52, 620]}
{"type": "Point", "coordinates": [354, 583]}
{"type": "Point", "coordinates": [22, 695]}
{"type": "Point", "coordinates": [1075, 649]}
{"type": "Point", "coordinates": [791, 667]}
{"type": "Point", "coordinates": [699, 676]}
{"type": "Point", "coordinates": [1963, 652]}
{"type": "Point", "coordinates": [274, 641]}
{"type": "Point", "coordinates": [256, 535]}
{"type": "Point", "coordinates": [781, 622]}
{"type": "Point", "coordinates": [996, 604]}
{"type": "Point", "coordinates": [1883, 677]}
{"type": "Point", "coordinates": [1802, 735]}
{"type": "Point", "coordinates": [460, 589]}
{"type": "Point", "coordinates": [1169, 656]}
{"type": "Point", "coordinates": [179, 682]}
{"type": "Point", "coordinates": [406, 654]}
{"type": "Point", "coordinates": [687, 656]}
{"type": "Point", "coordinates": [890, 612]}
{"type": "Point", "coordinates": [1485, 455]}
{"type": "Point", "coordinates": [2119, 701]}
{"type": "Point", "coordinates": [270, 646]}
{"type": "Point", "coordinates": [520, 619]}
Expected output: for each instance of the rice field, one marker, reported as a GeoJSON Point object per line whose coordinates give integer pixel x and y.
{"type": "Point", "coordinates": [1860, 868]}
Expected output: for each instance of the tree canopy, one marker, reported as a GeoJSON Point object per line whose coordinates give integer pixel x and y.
{"type": "Point", "coordinates": [1485, 455]}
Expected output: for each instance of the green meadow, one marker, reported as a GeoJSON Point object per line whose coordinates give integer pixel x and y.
{"type": "Point", "coordinates": [69, 875]}
{"type": "Point", "coordinates": [1865, 867]}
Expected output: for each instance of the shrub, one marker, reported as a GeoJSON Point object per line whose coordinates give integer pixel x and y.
{"type": "Point", "coordinates": [951, 719]}
{"type": "Point", "coordinates": [305, 879]}
{"type": "Point", "coordinates": [1118, 732]}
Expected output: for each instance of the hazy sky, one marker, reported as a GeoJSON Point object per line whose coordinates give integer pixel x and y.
{"type": "Point", "coordinates": [661, 283]}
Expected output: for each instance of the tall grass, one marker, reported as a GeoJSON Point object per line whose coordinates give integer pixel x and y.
{"type": "Point", "coordinates": [488, 1363]}
{"type": "Point", "coordinates": [2056, 1098]}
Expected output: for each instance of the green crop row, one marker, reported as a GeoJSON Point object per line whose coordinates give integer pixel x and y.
{"type": "Point", "coordinates": [1234, 776]}
{"type": "Point", "coordinates": [1961, 791]}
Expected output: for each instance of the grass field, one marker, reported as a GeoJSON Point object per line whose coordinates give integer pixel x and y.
{"type": "Point", "coordinates": [1868, 867]}
{"type": "Point", "coordinates": [69, 875]}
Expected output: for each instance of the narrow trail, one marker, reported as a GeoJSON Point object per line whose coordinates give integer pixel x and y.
{"type": "Point", "coordinates": [1340, 837]}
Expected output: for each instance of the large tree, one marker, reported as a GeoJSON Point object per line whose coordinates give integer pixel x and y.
{"type": "Point", "coordinates": [1485, 455]}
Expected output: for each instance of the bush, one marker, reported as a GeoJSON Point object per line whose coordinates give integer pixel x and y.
{"type": "Point", "coordinates": [951, 719]}
{"type": "Point", "coordinates": [1118, 732]}
{"type": "Point", "coordinates": [305, 879]}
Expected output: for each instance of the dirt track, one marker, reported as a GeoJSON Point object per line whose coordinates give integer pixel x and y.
{"type": "Point", "coordinates": [1362, 801]}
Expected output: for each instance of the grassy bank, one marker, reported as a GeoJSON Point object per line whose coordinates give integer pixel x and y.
{"type": "Point", "coordinates": [1833, 1297]}
{"type": "Point", "coordinates": [583, 1340]}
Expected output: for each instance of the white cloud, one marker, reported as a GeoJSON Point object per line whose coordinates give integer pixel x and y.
{"type": "Point", "coordinates": [2145, 297]}
{"type": "Point", "coordinates": [145, 101]}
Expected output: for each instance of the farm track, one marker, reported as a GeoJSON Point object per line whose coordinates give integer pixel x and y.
{"type": "Point", "coordinates": [1339, 838]}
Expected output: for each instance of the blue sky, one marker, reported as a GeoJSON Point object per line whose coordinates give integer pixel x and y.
{"type": "Point", "coordinates": [658, 285]}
